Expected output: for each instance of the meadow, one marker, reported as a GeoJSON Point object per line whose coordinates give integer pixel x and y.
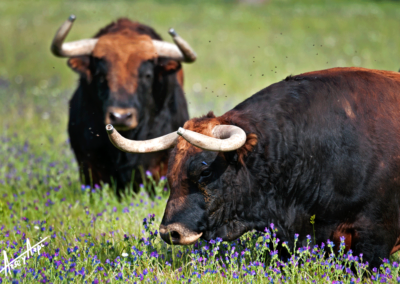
{"type": "Point", "coordinates": [242, 48]}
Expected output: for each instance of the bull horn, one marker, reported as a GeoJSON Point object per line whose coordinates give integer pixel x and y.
{"type": "Point", "coordinates": [226, 138]}
{"type": "Point", "coordinates": [73, 48]}
{"type": "Point", "coordinates": [180, 51]}
{"type": "Point", "coordinates": [145, 146]}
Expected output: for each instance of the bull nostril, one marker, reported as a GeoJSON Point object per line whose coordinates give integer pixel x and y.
{"type": "Point", "coordinates": [129, 115]}
{"type": "Point", "coordinates": [175, 235]}
{"type": "Point", "coordinates": [112, 116]}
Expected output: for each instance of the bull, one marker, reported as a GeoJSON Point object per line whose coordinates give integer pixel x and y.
{"type": "Point", "coordinates": [324, 143]}
{"type": "Point", "coordinates": [128, 77]}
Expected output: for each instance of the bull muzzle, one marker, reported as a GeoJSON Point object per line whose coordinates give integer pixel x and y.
{"type": "Point", "coordinates": [178, 234]}
{"type": "Point", "coordinates": [122, 119]}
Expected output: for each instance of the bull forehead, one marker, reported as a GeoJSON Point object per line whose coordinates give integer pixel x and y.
{"type": "Point", "coordinates": [203, 125]}
{"type": "Point", "coordinates": [124, 52]}
{"type": "Point", "coordinates": [184, 150]}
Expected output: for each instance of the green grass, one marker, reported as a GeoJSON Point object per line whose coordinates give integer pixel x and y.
{"type": "Point", "coordinates": [241, 49]}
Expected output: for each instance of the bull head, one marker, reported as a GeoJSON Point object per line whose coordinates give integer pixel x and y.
{"type": "Point", "coordinates": [205, 146]}
{"type": "Point", "coordinates": [121, 67]}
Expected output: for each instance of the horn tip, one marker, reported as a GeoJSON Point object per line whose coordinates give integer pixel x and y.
{"type": "Point", "coordinates": [72, 18]}
{"type": "Point", "coordinates": [172, 32]}
{"type": "Point", "coordinates": [109, 128]}
{"type": "Point", "coordinates": [181, 131]}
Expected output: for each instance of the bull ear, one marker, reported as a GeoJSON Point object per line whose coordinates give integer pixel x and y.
{"type": "Point", "coordinates": [80, 65]}
{"type": "Point", "coordinates": [243, 151]}
{"type": "Point", "coordinates": [167, 67]}
{"type": "Point", "coordinates": [240, 154]}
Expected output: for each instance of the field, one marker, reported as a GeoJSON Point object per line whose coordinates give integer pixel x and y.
{"type": "Point", "coordinates": [241, 49]}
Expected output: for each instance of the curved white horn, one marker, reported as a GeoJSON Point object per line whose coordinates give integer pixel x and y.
{"type": "Point", "coordinates": [180, 51]}
{"type": "Point", "coordinates": [227, 138]}
{"type": "Point", "coordinates": [145, 146]}
{"type": "Point", "coordinates": [73, 48]}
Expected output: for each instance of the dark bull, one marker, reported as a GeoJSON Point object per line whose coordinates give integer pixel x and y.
{"type": "Point", "coordinates": [128, 77]}
{"type": "Point", "coordinates": [324, 143]}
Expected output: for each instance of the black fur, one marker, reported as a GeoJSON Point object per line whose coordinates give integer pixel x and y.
{"type": "Point", "coordinates": [314, 156]}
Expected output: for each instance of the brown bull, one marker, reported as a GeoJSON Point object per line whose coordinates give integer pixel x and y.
{"type": "Point", "coordinates": [324, 143]}
{"type": "Point", "coordinates": [128, 77]}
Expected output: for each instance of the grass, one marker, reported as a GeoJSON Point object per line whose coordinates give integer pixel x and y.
{"type": "Point", "coordinates": [241, 49]}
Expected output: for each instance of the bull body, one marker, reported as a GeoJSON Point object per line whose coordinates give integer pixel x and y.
{"type": "Point", "coordinates": [124, 82]}
{"type": "Point", "coordinates": [324, 143]}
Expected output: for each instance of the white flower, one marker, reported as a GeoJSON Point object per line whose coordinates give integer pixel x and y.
{"type": "Point", "coordinates": [124, 254]}
{"type": "Point", "coordinates": [36, 227]}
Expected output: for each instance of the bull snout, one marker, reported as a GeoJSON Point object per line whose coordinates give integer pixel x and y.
{"type": "Point", "coordinates": [121, 118]}
{"type": "Point", "coordinates": [178, 234]}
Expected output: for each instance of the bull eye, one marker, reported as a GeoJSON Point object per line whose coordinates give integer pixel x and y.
{"type": "Point", "coordinates": [148, 76]}
{"type": "Point", "coordinates": [205, 173]}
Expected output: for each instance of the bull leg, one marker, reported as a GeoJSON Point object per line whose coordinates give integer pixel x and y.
{"type": "Point", "coordinates": [370, 241]}
{"type": "Point", "coordinates": [91, 175]}
{"type": "Point", "coordinates": [373, 246]}
{"type": "Point", "coordinates": [396, 246]}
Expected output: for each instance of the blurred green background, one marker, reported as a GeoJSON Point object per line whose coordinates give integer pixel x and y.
{"type": "Point", "coordinates": [243, 46]}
